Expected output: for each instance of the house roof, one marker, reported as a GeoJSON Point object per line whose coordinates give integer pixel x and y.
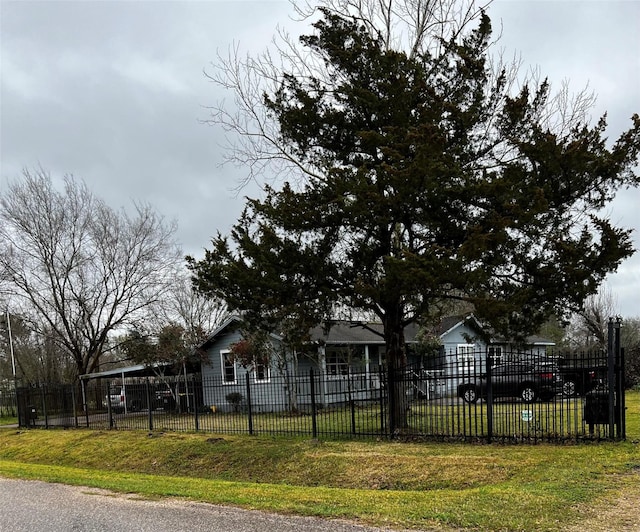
{"type": "Point", "coordinates": [140, 370]}
{"type": "Point", "coordinates": [347, 332]}
{"type": "Point", "coordinates": [361, 332]}
{"type": "Point", "coordinates": [231, 322]}
{"type": "Point", "coordinates": [356, 332]}
{"type": "Point", "coordinates": [450, 323]}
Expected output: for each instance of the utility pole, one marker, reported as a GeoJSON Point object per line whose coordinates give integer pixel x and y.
{"type": "Point", "coordinates": [13, 358]}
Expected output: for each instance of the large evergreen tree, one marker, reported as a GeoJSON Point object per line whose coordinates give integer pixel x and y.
{"type": "Point", "coordinates": [424, 180]}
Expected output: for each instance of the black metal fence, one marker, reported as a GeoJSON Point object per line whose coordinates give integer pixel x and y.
{"type": "Point", "coordinates": [8, 406]}
{"type": "Point", "coordinates": [466, 397]}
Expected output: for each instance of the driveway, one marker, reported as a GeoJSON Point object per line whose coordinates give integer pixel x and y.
{"type": "Point", "coordinates": [30, 505]}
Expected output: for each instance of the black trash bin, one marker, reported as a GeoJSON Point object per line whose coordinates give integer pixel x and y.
{"type": "Point", "coordinates": [596, 407]}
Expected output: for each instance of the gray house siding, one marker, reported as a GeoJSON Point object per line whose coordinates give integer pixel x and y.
{"type": "Point", "coordinates": [268, 393]}
{"type": "Point", "coordinates": [464, 355]}
{"type": "Point", "coordinates": [346, 361]}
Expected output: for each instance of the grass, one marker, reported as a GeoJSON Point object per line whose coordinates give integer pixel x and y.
{"type": "Point", "coordinates": [399, 485]}
{"type": "Point", "coordinates": [552, 421]}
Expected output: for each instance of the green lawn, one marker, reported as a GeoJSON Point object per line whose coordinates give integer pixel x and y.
{"type": "Point", "coordinates": [558, 420]}
{"type": "Point", "coordinates": [399, 485]}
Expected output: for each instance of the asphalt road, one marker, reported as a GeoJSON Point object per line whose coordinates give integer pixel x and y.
{"type": "Point", "coordinates": [30, 506]}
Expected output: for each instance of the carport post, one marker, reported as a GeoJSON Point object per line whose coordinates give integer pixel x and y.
{"type": "Point", "coordinates": [85, 406]}
{"type": "Point", "coordinates": [314, 421]}
{"type": "Point", "coordinates": [109, 409]}
{"type": "Point", "coordinates": [196, 404]}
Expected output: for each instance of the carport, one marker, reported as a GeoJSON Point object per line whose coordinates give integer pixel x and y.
{"type": "Point", "coordinates": [141, 375]}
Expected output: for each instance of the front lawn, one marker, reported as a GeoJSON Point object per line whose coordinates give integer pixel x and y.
{"type": "Point", "coordinates": [399, 485]}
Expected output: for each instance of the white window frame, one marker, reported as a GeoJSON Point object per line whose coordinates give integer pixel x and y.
{"type": "Point", "coordinates": [496, 353]}
{"type": "Point", "coordinates": [338, 364]}
{"type": "Point", "coordinates": [267, 372]}
{"type": "Point", "coordinates": [223, 362]}
{"type": "Point", "coordinates": [465, 355]}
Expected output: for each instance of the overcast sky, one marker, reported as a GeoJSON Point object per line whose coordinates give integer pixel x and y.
{"type": "Point", "coordinates": [113, 93]}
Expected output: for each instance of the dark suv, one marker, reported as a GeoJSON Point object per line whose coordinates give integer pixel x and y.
{"type": "Point", "coordinates": [526, 380]}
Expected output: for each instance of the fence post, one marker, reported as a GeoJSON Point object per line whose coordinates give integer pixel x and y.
{"type": "Point", "coordinates": [249, 413]}
{"type": "Point", "coordinates": [611, 377]}
{"type": "Point", "coordinates": [314, 421]}
{"type": "Point", "coordinates": [20, 405]}
{"type": "Point", "coordinates": [109, 408]}
{"type": "Point", "coordinates": [85, 405]}
{"type": "Point", "coordinates": [196, 403]}
{"type": "Point", "coordinates": [489, 400]}
{"type": "Point", "coordinates": [73, 402]}
{"type": "Point", "coordinates": [381, 388]}
{"type": "Point", "coordinates": [351, 402]}
{"type": "Point", "coordinates": [620, 382]}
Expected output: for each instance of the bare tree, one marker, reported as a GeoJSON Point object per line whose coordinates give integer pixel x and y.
{"type": "Point", "coordinates": [254, 141]}
{"type": "Point", "coordinates": [588, 327]}
{"type": "Point", "coordinates": [630, 340]}
{"type": "Point", "coordinates": [80, 268]}
{"type": "Point", "coordinates": [196, 314]}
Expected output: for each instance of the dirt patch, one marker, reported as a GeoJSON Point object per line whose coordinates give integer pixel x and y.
{"type": "Point", "coordinates": [620, 512]}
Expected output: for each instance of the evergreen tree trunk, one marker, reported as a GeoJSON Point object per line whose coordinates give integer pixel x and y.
{"type": "Point", "coordinates": [396, 364]}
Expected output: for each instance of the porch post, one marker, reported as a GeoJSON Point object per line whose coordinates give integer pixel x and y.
{"type": "Point", "coordinates": [366, 367]}
{"type": "Point", "coordinates": [323, 369]}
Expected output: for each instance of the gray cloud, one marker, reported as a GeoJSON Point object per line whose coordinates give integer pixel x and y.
{"type": "Point", "coordinates": [113, 92]}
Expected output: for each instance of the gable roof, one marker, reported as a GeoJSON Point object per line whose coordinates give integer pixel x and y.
{"type": "Point", "coordinates": [232, 323]}
{"type": "Point", "coordinates": [361, 332]}
{"type": "Point", "coordinates": [450, 323]}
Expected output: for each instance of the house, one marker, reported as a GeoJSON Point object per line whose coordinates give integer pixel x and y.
{"type": "Point", "coordinates": [348, 360]}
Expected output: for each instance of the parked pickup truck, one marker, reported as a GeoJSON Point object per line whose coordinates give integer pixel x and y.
{"type": "Point", "coordinates": [528, 381]}
{"type": "Point", "coordinates": [581, 375]}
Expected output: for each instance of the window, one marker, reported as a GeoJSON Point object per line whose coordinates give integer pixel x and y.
{"type": "Point", "coordinates": [337, 363]}
{"type": "Point", "coordinates": [228, 367]}
{"type": "Point", "coordinates": [495, 356]}
{"type": "Point", "coordinates": [466, 358]}
{"type": "Point", "coordinates": [261, 371]}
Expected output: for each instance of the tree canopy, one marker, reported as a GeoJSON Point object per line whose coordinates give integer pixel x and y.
{"type": "Point", "coordinates": [423, 179]}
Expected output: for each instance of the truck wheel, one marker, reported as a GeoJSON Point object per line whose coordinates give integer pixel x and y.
{"type": "Point", "coordinates": [569, 388]}
{"type": "Point", "coordinates": [470, 395]}
{"type": "Point", "coordinates": [528, 394]}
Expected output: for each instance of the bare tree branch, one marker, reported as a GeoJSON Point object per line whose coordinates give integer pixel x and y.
{"type": "Point", "coordinates": [82, 268]}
